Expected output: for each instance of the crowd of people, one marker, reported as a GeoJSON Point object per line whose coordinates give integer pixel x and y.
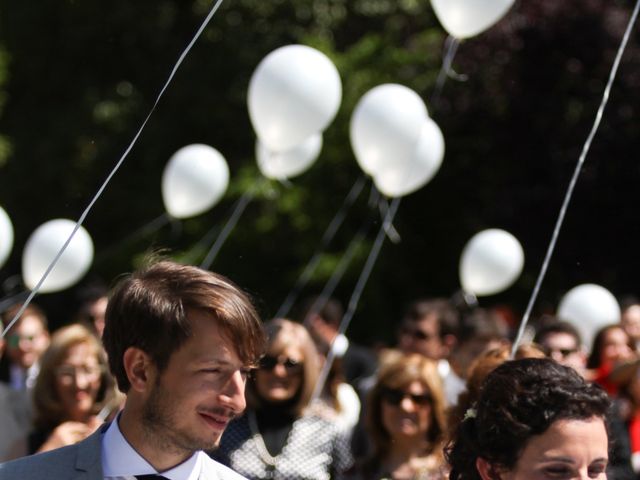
{"type": "Point", "coordinates": [299, 400]}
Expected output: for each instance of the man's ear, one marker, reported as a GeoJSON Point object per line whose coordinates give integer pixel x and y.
{"type": "Point", "coordinates": [486, 470]}
{"type": "Point", "coordinates": [140, 369]}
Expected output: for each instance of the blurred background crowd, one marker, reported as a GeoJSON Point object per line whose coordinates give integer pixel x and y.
{"type": "Point", "coordinates": [319, 404]}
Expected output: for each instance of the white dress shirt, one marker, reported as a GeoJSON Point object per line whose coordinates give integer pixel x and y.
{"type": "Point", "coordinates": [120, 460]}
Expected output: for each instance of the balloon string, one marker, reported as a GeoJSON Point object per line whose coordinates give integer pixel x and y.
{"type": "Point", "coordinates": [357, 292]}
{"type": "Point", "coordinates": [151, 227]}
{"type": "Point", "coordinates": [389, 229]}
{"type": "Point", "coordinates": [328, 235]}
{"type": "Point", "coordinates": [112, 173]}
{"type": "Point", "coordinates": [339, 271]}
{"type": "Point", "coordinates": [238, 210]}
{"type": "Point", "coordinates": [451, 45]}
{"type": "Point", "coordinates": [574, 179]}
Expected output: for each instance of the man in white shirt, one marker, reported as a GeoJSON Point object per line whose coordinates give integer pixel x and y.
{"type": "Point", "coordinates": [181, 342]}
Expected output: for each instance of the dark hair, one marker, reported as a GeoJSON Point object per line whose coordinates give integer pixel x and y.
{"type": "Point", "coordinates": [445, 313]}
{"type": "Point", "coordinates": [149, 310]}
{"type": "Point", "coordinates": [330, 310]}
{"type": "Point", "coordinates": [598, 344]}
{"type": "Point", "coordinates": [32, 310]}
{"type": "Point", "coordinates": [557, 327]}
{"type": "Point", "coordinates": [520, 399]}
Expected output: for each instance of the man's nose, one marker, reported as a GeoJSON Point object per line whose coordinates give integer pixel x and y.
{"type": "Point", "coordinates": [232, 394]}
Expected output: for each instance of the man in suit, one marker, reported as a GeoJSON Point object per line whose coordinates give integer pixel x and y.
{"type": "Point", "coordinates": [181, 342]}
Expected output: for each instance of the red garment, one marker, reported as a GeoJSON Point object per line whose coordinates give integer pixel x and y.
{"type": "Point", "coordinates": [634, 432]}
{"type": "Point", "coordinates": [602, 379]}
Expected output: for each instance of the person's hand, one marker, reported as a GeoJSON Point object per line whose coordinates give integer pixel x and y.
{"type": "Point", "coordinates": [68, 433]}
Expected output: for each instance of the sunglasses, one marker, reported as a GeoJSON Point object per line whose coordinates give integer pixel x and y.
{"type": "Point", "coordinates": [395, 396]}
{"type": "Point", "coordinates": [14, 339]}
{"type": "Point", "coordinates": [416, 333]}
{"type": "Point", "coordinates": [269, 362]}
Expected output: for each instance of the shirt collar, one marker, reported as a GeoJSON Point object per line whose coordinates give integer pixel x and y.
{"type": "Point", "coordinates": [120, 459]}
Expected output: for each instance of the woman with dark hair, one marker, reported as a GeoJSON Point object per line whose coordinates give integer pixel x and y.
{"type": "Point", "coordinates": [611, 347]}
{"type": "Point", "coordinates": [406, 421]}
{"type": "Point", "coordinates": [284, 433]}
{"type": "Point", "coordinates": [534, 419]}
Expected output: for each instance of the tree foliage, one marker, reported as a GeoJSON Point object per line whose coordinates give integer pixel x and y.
{"type": "Point", "coordinates": [77, 79]}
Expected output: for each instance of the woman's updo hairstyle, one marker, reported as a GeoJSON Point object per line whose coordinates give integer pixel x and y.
{"type": "Point", "coordinates": [520, 399]}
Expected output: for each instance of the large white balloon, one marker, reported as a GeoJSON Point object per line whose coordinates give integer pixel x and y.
{"type": "Point", "coordinates": [401, 178]}
{"type": "Point", "coordinates": [42, 247]}
{"type": "Point", "coordinates": [194, 180]}
{"type": "Point", "coordinates": [6, 236]}
{"type": "Point", "coordinates": [490, 262]}
{"type": "Point", "coordinates": [289, 163]}
{"type": "Point", "coordinates": [386, 126]}
{"type": "Point", "coordinates": [589, 307]}
{"type": "Point", "coordinates": [466, 18]}
{"type": "Point", "coordinates": [294, 92]}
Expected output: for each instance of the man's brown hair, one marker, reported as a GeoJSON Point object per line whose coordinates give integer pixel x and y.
{"type": "Point", "coordinates": [149, 310]}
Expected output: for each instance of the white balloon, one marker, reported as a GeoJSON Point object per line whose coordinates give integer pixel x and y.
{"type": "Point", "coordinates": [294, 92]}
{"type": "Point", "coordinates": [6, 236]}
{"type": "Point", "coordinates": [386, 126]}
{"type": "Point", "coordinates": [589, 307]}
{"type": "Point", "coordinates": [288, 163]}
{"type": "Point", "coordinates": [490, 262]}
{"type": "Point", "coordinates": [466, 18]}
{"type": "Point", "coordinates": [401, 178]}
{"type": "Point", "coordinates": [194, 180]}
{"type": "Point", "coordinates": [42, 247]}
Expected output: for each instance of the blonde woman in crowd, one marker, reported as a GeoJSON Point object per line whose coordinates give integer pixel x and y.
{"type": "Point", "coordinates": [74, 392]}
{"type": "Point", "coordinates": [406, 421]}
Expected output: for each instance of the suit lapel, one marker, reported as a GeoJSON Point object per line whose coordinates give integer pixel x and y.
{"type": "Point", "coordinates": [89, 456]}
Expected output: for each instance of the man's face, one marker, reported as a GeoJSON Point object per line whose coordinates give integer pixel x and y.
{"type": "Point", "coordinates": [422, 336]}
{"type": "Point", "coordinates": [199, 392]}
{"type": "Point", "coordinates": [563, 348]}
{"type": "Point", "coordinates": [26, 341]}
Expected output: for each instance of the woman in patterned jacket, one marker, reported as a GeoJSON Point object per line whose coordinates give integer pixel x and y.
{"type": "Point", "coordinates": [283, 435]}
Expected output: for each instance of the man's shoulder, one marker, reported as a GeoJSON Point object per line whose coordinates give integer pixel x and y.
{"type": "Point", "coordinates": [219, 471]}
{"type": "Point", "coordinates": [40, 466]}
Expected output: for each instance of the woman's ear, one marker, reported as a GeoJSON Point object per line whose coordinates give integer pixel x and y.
{"type": "Point", "coordinates": [486, 470]}
{"type": "Point", "coordinates": [139, 368]}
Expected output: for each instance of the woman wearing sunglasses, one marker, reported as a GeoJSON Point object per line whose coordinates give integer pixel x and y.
{"type": "Point", "coordinates": [281, 435]}
{"type": "Point", "coordinates": [406, 421]}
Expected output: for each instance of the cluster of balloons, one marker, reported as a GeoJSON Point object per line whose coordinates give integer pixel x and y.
{"type": "Point", "coordinates": [294, 94]}
{"type": "Point", "coordinates": [394, 139]}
